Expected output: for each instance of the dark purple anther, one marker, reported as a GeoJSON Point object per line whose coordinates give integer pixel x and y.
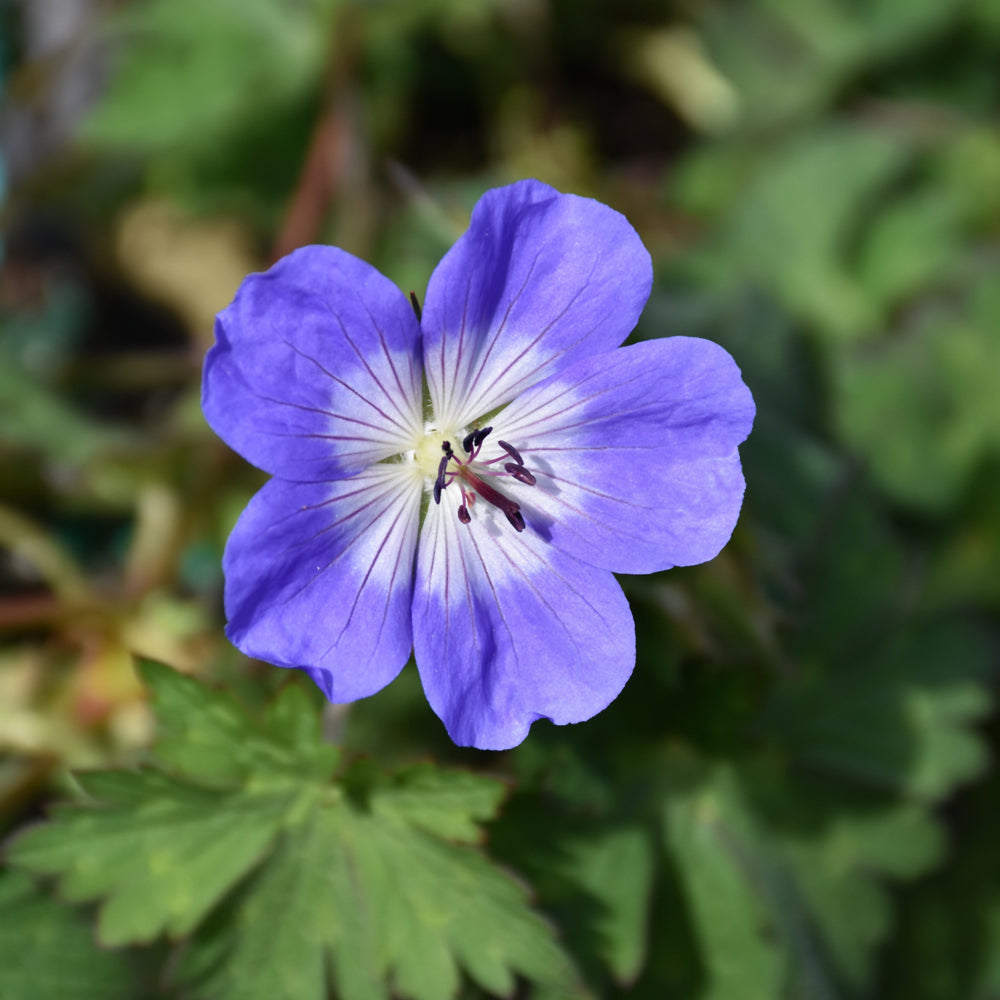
{"type": "Point", "coordinates": [478, 437]}
{"type": "Point", "coordinates": [492, 496]}
{"type": "Point", "coordinates": [463, 514]}
{"type": "Point", "coordinates": [469, 442]}
{"type": "Point", "coordinates": [520, 473]}
{"type": "Point", "coordinates": [512, 451]}
{"type": "Point", "coordinates": [439, 483]}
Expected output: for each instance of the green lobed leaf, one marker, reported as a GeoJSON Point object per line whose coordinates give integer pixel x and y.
{"type": "Point", "coordinates": [840, 872]}
{"type": "Point", "coordinates": [158, 852]}
{"type": "Point", "coordinates": [443, 906]}
{"type": "Point", "coordinates": [47, 950]}
{"type": "Point", "coordinates": [946, 941]}
{"type": "Point", "coordinates": [922, 407]}
{"type": "Point", "coordinates": [724, 880]}
{"type": "Point", "coordinates": [801, 206]}
{"type": "Point", "coordinates": [448, 804]}
{"type": "Point", "coordinates": [388, 905]}
{"type": "Point", "coordinates": [787, 879]}
{"type": "Point", "coordinates": [913, 247]}
{"type": "Point", "coordinates": [268, 940]}
{"type": "Point", "coordinates": [285, 880]}
{"type": "Point", "coordinates": [898, 718]}
{"type": "Point", "coordinates": [878, 696]}
{"type": "Point", "coordinates": [616, 869]}
{"type": "Point", "coordinates": [596, 877]}
{"type": "Point", "coordinates": [205, 735]}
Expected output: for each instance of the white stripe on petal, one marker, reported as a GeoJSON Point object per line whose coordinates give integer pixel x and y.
{"type": "Point", "coordinates": [508, 629]}
{"type": "Point", "coordinates": [634, 454]}
{"type": "Point", "coordinates": [539, 280]}
{"type": "Point", "coordinates": [316, 370]}
{"type": "Point", "coordinates": [319, 576]}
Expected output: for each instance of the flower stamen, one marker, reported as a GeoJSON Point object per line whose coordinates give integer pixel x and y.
{"type": "Point", "coordinates": [511, 450]}
{"type": "Point", "coordinates": [520, 473]}
{"type": "Point", "coordinates": [439, 483]}
{"type": "Point", "coordinates": [473, 441]}
{"type": "Point", "coordinates": [463, 471]}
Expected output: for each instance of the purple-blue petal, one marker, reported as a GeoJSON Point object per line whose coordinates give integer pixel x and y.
{"type": "Point", "coordinates": [319, 576]}
{"type": "Point", "coordinates": [635, 455]}
{"type": "Point", "coordinates": [539, 280]}
{"type": "Point", "coordinates": [508, 629]}
{"type": "Point", "coordinates": [316, 370]}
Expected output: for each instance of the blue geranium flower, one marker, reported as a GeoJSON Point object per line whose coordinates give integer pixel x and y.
{"type": "Point", "coordinates": [465, 486]}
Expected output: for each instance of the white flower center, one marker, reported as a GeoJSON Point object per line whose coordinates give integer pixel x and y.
{"type": "Point", "coordinates": [429, 449]}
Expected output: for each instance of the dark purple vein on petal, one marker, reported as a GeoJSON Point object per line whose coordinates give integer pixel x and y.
{"type": "Point", "coordinates": [392, 365]}
{"type": "Point", "coordinates": [548, 568]}
{"type": "Point", "coordinates": [391, 500]}
{"type": "Point", "coordinates": [471, 380]}
{"type": "Point", "coordinates": [351, 389]}
{"type": "Point", "coordinates": [469, 590]}
{"type": "Point", "coordinates": [536, 371]}
{"type": "Point", "coordinates": [371, 372]}
{"type": "Point", "coordinates": [390, 532]}
{"type": "Point", "coordinates": [496, 597]}
{"type": "Point", "coordinates": [352, 513]}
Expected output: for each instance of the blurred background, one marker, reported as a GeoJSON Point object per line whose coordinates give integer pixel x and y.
{"type": "Point", "coordinates": [818, 182]}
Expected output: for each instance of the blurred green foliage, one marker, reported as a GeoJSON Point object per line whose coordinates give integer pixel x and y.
{"type": "Point", "coordinates": [794, 796]}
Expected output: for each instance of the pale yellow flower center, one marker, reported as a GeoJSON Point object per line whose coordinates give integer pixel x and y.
{"type": "Point", "coordinates": [429, 451]}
